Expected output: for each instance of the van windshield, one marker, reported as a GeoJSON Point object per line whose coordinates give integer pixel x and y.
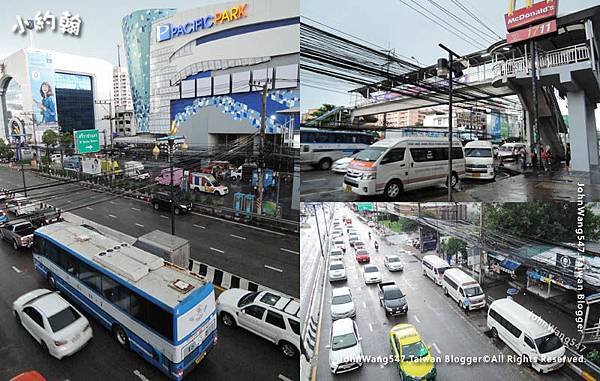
{"type": "Point", "coordinates": [371, 154]}
{"type": "Point", "coordinates": [478, 152]}
{"type": "Point", "coordinates": [440, 270]}
{"type": "Point", "coordinates": [474, 291]}
{"type": "Point", "coordinates": [548, 343]}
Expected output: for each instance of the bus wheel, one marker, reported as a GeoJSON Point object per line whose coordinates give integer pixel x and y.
{"type": "Point", "coordinates": [287, 349]}
{"type": "Point", "coordinates": [393, 189]}
{"type": "Point", "coordinates": [51, 282]}
{"type": "Point", "coordinates": [121, 336]}
{"type": "Point", "coordinates": [227, 319]}
{"type": "Point", "coordinates": [453, 181]}
{"type": "Point", "coordinates": [325, 164]}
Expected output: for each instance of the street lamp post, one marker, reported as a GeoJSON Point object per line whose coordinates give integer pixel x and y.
{"type": "Point", "coordinates": [171, 146]}
{"type": "Point", "coordinates": [446, 67]}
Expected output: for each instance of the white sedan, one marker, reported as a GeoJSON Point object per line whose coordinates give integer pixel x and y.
{"type": "Point", "coordinates": [393, 263]}
{"type": "Point", "coordinates": [341, 165]}
{"type": "Point", "coordinates": [342, 305]}
{"type": "Point", "coordinates": [60, 329]}
{"type": "Point", "coordinates": [371, 274]}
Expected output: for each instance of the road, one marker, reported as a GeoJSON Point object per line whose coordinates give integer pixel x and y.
{"type": "Point", "coordinates": [235, 356]}
{"type": "Point", "coordinates": [262, 256]}
{"type": "Point", "coordinates": [442, 325]}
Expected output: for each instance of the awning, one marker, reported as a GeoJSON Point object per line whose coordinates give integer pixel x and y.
{"type": "Point", "coordinates": [509, 266]}
{"type": "Point", "coordinates": [496, 256]}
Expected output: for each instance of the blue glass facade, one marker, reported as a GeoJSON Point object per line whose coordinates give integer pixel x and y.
{"type": "Point", "coordinates": [137, 29]}
{"type": "Point", "coordinates": [74, 101]}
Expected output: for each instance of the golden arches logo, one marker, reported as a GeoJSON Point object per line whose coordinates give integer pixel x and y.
{"type": "Point", "coordinates": [528, 4]}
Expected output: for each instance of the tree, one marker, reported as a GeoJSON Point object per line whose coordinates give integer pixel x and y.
{"type": "Point", "coordinates": [66, 141]}
{"type": "Point", "coordinates": [5, 151]}
{"type": "Point", "coordinates": [551, 221]}
{"type": "Point", "coordinates": [454, 247]}
{"type": "Point", "coordinates": [50, 138]}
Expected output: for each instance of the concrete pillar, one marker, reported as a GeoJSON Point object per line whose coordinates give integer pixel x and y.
{"type": "Point", "coordinates": [528, 127]}
{"type": "Point", "coordinates": [578, 131]}
{"type": "Point", "coordinates": [4, 133]}
{"type": "Point", "coordinates": [592, 134]}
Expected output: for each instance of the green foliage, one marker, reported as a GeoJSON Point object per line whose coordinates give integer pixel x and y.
{"type": "Point", "coordinates": [454, 246]}
{"type": "Point", "coordinates": [594, 356]}
{"type": "Point", "coordinates": [50, 138]}
{"type": "Point", "coordinates": [5, 151]}
{"type": "Point", "coordinates": [552, 221]}
{"type": "Point", "coordinates": [325, 108]}
{"type": "Point", "coordinates": [401, 225]}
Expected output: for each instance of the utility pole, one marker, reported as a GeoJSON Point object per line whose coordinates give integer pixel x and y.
{"type": "Point", "coordinates": [110, 117]}
{"type": "Point", "coordinates": [261, 149]}
{"type": "Point", "coordinates": [481, 252]}
{"type": "Point", "coordinates": [318, 230]}
{"type": "Point", "coordinates": [22, 168]}
{"type": "Point", "coordinates": [171, 147]}
{"type": "Point", "coordinates": [534, 99]}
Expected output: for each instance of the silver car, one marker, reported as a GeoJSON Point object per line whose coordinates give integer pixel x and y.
{"type": "Point", "coordinates": [393, 263]}
{"type": "Point", "coordinates": [337, 271]}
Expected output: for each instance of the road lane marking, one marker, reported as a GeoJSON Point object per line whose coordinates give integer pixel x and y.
{"type": "Point", "coordinates": [417, 318]}
{"type": "Point", "coordinates": [140, 225]}
{"type": "Point", "coordinates": [237, 236]}
{"type": "Point", "coordinates": [69, 201]}
{"type": "Point", "coordinates": [364, 305]}
{"type": "Point", "coordinates": [16, 269]}
{"type": "Point", "coordinates": [88, 208]}
{"type": "Point", "coordinates": [136, 209]}
{"type": "Point", "coordinates": [239, 223]}
{"type": "Point", "coordinates": [436, 348]}
{"type": "Point", "coordinates": [274, 268]}
{"type": "Point", "coordinates": [289, 251]}
{"type": "Point", "coordinates": [140, 375]}
{"type": "Point", "coordinates": [314, 180]}
{"type": "Point", "coordinates": [284, 378]}
{"type": "Point", "coordinates": [200, 226]}
{"type": "Point", "coordinates": [112, 202]}
{"type": "Point", "coordinates": [370, 327]}
{"type": "Point", "coordinates": [112, 216]}
{"type": "Point", "coordinates": [163, 216]}
{"type": "Point", "coordinates": [217, 250]}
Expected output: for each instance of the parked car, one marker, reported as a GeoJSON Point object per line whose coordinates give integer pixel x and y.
{"type": "Point", "coordinates": [18, 232]}
{"type": "Point", "coordinates": [266, 314]}
{"type": "Point", "coordinates": [162, 200]}
{"type": "Point", "coordinates": [342, 305]}
{"type": "Point", "coordinates": [337, 271]}
{"type": "Point", "coordinates": [56, 325]}
{"type": "Point", "coordinates": [393, 263]}
{"type": "Point", "coordinates": [392, 299]}
{"type": "Point", "coordinates": [371, 274]}
{"type": "Point", "coordinates": [345, 350]}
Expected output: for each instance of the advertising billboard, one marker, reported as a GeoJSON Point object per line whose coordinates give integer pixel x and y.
{"type": "Point", "coordinates": [533, 13]}
{"type": "Point", "coordinates": [91, 166]}
{"type": "Point", "coordinates": [41, 77]}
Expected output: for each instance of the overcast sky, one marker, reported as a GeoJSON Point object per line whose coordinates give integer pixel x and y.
{"type": "Point", "coordinates": [101, 24]}
{"type": "Point", "coordinates": [393, 25]}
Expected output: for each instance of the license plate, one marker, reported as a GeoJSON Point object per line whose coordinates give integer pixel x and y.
{"type": "Point", "coordinates": [476, 174]}
{"type": "Point", "coordinates": [76, 337]}
{"type": "Point", "coordinates": [348, 188]}
{"type": "Point", "coordinates": [200, 357]}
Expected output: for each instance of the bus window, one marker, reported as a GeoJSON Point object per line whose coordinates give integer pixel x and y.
{"type": "Point", "coordinates": [90, 277]}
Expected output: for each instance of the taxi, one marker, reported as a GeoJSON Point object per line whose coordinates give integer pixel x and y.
{"type": "Point", "coordinates": [414, 358]}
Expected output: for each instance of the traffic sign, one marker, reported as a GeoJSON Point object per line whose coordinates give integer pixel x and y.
{"type": "Point", "coordinates": [87, 141]}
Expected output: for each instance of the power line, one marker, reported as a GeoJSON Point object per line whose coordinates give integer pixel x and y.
{"type": "Point", "coordinates": [470, 13]}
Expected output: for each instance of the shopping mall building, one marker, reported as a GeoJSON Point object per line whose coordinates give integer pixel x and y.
{"type": "Point", "coordinates": [206, 67]}
{"type": "Point", "coordinates": [42, 89]}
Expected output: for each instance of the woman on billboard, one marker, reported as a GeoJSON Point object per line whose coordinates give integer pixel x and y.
{"type": "Point", "coordinates": [47, 105]}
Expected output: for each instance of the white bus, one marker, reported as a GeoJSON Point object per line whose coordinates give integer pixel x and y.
{"type": "Point", "coordinates": [434, 267]}
{"type": "Point", "coordinates": [392, 166]}
{"type": "Point", "coordinates": [320, 148]}
{"type": "Point", "coordinates": [161, 311]}
{"type": "Point", "coordinates": [459, 285]}
{"type": "Point", "coordinates": [526, 334]}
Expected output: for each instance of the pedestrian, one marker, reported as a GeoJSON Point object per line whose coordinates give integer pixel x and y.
{"type": "Point", "coordinates": [545, 158]}
{"type": "Point", "coordinates": [568, 155]}
{"type": "Point", "coordinates": [523, 154]}
{"type": "Point", "coordinates": [467, 305]}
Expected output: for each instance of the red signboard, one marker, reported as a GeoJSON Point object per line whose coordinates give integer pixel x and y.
{"type": "Point", "coordinates": [531, 32]}
{"type": "Point", "coordinates": [526, 16]}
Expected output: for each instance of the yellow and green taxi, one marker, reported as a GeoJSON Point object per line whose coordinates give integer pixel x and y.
{"type": "Point", "coordinates": [415, 362]}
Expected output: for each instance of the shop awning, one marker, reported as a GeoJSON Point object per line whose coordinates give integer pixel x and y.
{"type": "Point", "coordinates": [509, 266]}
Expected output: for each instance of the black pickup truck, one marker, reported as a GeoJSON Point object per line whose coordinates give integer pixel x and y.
{"type": "Point", "coordinates": [392, 299]}
{"type": "Point", "coordinates": [45, 216]}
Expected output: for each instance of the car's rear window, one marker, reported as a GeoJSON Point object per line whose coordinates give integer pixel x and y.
{"type": "Point", "coordinates": [63, 319]}
{"type": "Point", "coordinates": [24, 229]}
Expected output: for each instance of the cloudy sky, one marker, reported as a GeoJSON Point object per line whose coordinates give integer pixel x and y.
{"type": "Point", "coordinates": [393, 25]}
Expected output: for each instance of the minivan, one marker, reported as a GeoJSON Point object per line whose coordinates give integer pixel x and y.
{"type": "Point", "coordinates": [434, 267]}
{"type": "Point", "coordinates": [526, 334]}
{"type": "Point", "coordinates": [479, 159]}
{"type": "Point", "coordinates": [392, 166]}
{"type": "Point", "coordinates": [459, 285]}
{"type": "Point", "coordinates": [509, 151]}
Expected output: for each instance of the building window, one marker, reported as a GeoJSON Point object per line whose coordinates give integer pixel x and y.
{"type": "Point", "coordinates": [74, 101]}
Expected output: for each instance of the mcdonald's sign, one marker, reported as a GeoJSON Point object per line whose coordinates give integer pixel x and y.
{"type": "Point", "coordinates": [531, 14]}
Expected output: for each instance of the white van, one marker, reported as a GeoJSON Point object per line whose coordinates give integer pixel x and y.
{"type": "Point", "coordinates": [509, 151]}
{"type": "Point", "coordinates": [459, 285]}
{"type": "Point", "coordinates": [526, 334]}
{"type": "Point", "coordinates": [392, 166]}
{"type": "Point", "coordinates": [434, 267]}
{"type": "Point", "coordinates": [479, 158]}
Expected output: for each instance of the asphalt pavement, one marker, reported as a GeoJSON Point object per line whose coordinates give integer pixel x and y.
{"type": "Point", "coordinates": [236, 356]}
{"type": "Point", "coordinates": [265, 257]}
{"type": "Point", "coordinates": [441, 323]}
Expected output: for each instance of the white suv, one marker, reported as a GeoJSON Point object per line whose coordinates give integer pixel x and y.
{"type": "Point", "coordinates": [266, 314]}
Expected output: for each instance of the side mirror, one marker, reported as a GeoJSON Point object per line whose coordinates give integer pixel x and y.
{"type": "Point", "coordinates": [328, 346]}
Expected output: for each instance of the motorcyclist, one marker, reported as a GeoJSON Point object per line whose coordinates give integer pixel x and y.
{"type": "Point", "coordinates": [369, 236]}
{"type": "Point", "coordinates": [376, 246]}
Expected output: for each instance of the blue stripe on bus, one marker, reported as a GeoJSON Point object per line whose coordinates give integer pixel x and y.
{"type": "Point", "coordinates": [145, 350]}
